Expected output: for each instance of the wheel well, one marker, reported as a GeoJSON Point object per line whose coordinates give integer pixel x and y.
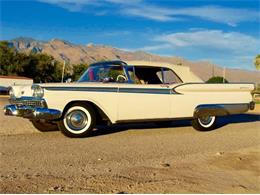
{"type": "Point", "coordinates": [210, 110]}
{"type": "Point", "coordinates": [100, 114]}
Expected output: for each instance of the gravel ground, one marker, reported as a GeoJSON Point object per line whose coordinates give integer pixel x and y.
{"type": "Point", "coordinates": [132, 158]}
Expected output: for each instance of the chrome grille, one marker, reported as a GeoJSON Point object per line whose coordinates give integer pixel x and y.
{"type": "Point", "coordinates": [29, 101]}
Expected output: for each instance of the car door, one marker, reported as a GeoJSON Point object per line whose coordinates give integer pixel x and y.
{"type": "Point", "coordinates": [137, 102]}
{"type": "Point", "coordinates": [143, 102]}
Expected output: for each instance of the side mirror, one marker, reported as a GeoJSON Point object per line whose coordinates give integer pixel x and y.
{"type": "Point", "coordinates": [108, 79]}
{"type": "Point", "coordinates": [69, 80]}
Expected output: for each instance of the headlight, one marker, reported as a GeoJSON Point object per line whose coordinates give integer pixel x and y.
{"type": "Point", "coordinates": [37, 91]}
{"type": "Point", "coordinates": [11, 92]}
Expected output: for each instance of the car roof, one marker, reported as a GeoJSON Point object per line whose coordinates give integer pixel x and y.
{"type": "Point", "coordinates": [182, 71]}
{"type": "Point", "coordinates": [114, 62]}
{"type": "Point", "coordinates": [134, 63]}
{"type": "Point", "coordinates": [149, 63]}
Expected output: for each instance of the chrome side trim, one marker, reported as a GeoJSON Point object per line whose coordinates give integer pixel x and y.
{"type": "Point", "coordinates": [221, 109]}
{"type": "Point", "coordinates": [152, 120]}
{"type": "Point", "coordinates": [32, 113]}
{"type": "Point", "coordinates": [147, 90]}
{"type": "Point", "coordinates": [114, 89]}
{"type": "Point", "coordinates": [90, 89]}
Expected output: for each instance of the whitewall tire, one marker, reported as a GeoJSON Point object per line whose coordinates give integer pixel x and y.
{"type": "Point", "coordinates": [78, 121]}
{"type": "Point", "coordinates": [205, 123]}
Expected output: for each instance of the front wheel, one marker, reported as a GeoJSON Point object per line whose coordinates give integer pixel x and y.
{"type": "Point", "coordinates": [205, 123]}
{"type": "Point", "coordinates": [78, 121]}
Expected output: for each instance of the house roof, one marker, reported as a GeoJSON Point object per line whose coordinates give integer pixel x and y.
{"type": "Point", "coordinates": [15, 77]}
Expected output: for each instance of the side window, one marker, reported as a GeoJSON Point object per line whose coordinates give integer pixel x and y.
{"type": "Point", "coordinates": [147, 75]}
{"type": "Point", "coordinates": [104, 73]}
{"type": "Point", "coordinates": [170, 77]}
{"type": "Point", "coordinates": [160, 75]}
{"type": "Point", "coordinates": [152, 75]}
{"type": "Point", "coordinates": [131, 74]}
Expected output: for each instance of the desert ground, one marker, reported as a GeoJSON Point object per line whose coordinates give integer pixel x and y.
{"type": "Point", "coordinates": [137, 158]}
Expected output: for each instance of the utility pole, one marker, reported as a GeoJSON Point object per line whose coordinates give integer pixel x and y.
{"type": "Point", "coordinates": [65, 60]}
{"type": "Point", "coordinates": [213, 71]}
{"type": "Point", "coordinates": [63, 69]}
{"type": "Point", "coordinates": [224, 74]}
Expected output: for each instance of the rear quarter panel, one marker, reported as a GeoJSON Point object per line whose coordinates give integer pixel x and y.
{"type": "Point", "coordinates": [190, 95]}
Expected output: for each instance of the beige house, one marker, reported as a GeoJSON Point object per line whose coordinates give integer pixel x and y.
{"type": "Point", "coordinates": [7, 81]}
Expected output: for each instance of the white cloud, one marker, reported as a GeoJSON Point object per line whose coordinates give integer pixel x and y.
{"type": "Point", "coordinates": [211, 39]}
{"type": "Point", "coordinates": [81, 3]}
{"type": "Point", "coordinates": [218, 14]}
{"type": "Point", "coordinates": [124, 1]}
{"type": "Point", "coordinates": [155, 47]}
{"type": "Point", "coordinates": [71, 5]}
{"type": "Point", "coordinates": [138, 8]}
{"type": "Point", "coordinates": [230, 49]}
{"type": "Point", "coordinates": [73, 2]}
{"type": "Point", "coordinates": [150, 12]}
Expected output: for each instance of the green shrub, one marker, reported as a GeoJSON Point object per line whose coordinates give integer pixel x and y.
{"type": "Point", "coordinates": [217, 79]}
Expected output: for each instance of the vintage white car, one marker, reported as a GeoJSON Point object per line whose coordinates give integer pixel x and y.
{"type": "Point", "coordinates": [124, 92]}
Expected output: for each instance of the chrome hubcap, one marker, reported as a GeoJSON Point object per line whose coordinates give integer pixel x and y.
{"type": "Point", "coordinates": [77, 120]}
{"type": "Point", "coordinates": [205, 119]}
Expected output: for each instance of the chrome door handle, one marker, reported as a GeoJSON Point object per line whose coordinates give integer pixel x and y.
{"type": "Point", "coordinates": [165, 86]}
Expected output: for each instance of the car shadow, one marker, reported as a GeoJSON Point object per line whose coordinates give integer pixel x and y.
{"type": "Point", "coordinates": [222, 121]}
{"type": "Point", "coordinates": [239, 118]}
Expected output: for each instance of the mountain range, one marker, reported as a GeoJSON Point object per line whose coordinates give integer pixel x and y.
{"type": "Point", "coordinates": [75, 54]}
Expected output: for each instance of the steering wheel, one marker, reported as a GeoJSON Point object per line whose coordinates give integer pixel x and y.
{"type": "Point", "coordinates": [120, 76]}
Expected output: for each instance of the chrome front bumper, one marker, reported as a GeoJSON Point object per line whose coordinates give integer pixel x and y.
{"type": "Point", "coordinates": [32, 113]}
{"type": "Point", "coordinates": [31, 108]}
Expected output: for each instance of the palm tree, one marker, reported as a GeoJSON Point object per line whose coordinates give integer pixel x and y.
{"type": "Point", "coordinates": [257, 62]}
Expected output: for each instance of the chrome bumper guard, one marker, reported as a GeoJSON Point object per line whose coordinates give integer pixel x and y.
{"type": "Point", "coordinates": [222, 109]}
{"type": "Point", "coordinates": [31, 108]}
{"type": "Point", "coordinates": [32, 113]}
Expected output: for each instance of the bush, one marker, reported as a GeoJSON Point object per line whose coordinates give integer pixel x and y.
{"type": "Point", "coordinates": [217, 79]}
{"type": "Point", "coordinates": [78, 70]}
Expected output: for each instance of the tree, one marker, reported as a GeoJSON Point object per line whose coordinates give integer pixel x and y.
{"type": "Point", "coordinates": [43, 68]}
{"type": "Point", "coordinates": [78, 70]}
{"type": "Point", "coordinates": [257, 62]}
{"type": "Point", "coordinates": [217, 79]}
{"type": "Point", "coordinates": [40, 67]}
{"type": "Point", "coordinates": [8, 60]}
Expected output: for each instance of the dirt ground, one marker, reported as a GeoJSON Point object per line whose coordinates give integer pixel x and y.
{"type": "Point", "coordinates": [132, 158]}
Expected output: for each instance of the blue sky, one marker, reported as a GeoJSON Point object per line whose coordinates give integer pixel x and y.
{"type": "Point", "coordinates": [222, 32]}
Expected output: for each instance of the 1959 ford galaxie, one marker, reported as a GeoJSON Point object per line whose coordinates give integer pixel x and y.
{"type": "Point", "coordinates": [124, 92]}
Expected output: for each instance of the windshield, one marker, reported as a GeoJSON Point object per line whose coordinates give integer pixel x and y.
{"type": "Point", "coordinates": [104, 73]}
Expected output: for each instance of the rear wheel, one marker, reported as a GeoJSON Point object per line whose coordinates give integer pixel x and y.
{"type": "Point", "coordinates": [204, 123]}
{"type": "Point", "coordinates": [44, 126]}
{"type": "Point", "coordinates": [78, 121]}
